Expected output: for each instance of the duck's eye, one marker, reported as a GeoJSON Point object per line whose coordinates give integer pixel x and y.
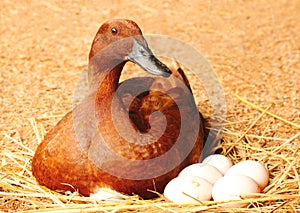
{"type": "Point", "coordinates": [114, 31]}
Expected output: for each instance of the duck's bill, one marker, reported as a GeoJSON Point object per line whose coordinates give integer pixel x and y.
{"type": "Point", "coordinates": [143, 56]}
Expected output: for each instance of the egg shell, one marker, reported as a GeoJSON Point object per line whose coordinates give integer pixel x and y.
{"type": "Point", "coordinates": [221, 162]}
{"type": "Point", "coordinates": [205, 171]}
{"type": "Point", "coordinates": [231, 187]}
{"type": "Point", "coordinates": [193, 186]}
{"type": "Point", "coordinates": [253, 169]}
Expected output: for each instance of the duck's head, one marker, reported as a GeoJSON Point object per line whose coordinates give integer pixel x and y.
{"type": "Point", "coordinates": [123, 41]}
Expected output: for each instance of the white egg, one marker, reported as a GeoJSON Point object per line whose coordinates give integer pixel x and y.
{"type": "Point", "coordinates": [184, 189]}
{"type": "Point", "coordinates": [253, 169]}
{"type": "Point", "coordinates": [205, 171]}
{"type": "Point", "coordinates": [221, 162]}
{"type": "Point", "coordinates": [232, 187]}
{"type": "Point", "coordinates": [106, 194]}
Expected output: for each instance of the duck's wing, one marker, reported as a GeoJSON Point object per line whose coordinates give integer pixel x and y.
{"type": "Point", "coordinates": [172, 99]}
{"type": "Point", "coordinates": [178, 72]}
{"type": "Point", "coordinates": [134, 93]}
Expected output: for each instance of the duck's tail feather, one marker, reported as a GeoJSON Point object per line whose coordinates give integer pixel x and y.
{"type": "Point", "coordinates": [212, 141]}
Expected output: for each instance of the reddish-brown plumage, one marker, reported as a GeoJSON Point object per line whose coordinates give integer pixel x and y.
{"type": "Point", "coordinates": [82, 152]}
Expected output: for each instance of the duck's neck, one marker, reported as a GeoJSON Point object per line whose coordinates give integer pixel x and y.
{"type": "Point", "coordinates": [104, 73]}
{"type": "Point", "coordinates": [109, 82]}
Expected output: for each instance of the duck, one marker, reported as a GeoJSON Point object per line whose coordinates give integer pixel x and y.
{"type": "Point", "coordinates": [133, 136]}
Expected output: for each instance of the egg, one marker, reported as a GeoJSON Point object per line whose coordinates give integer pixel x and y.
{"type": "Point", "coordinates": [183, 189]}
{"type": "Point", "coordinates": [232, 187]}
{"type": "Point", "coordinates": [106, 194]}
{"type": "Point", "coordinates": [205, 171]}
{"type": "Point", "coordinates": [253, 169]}
{"type": "Point", "coordinates": [221, 162]}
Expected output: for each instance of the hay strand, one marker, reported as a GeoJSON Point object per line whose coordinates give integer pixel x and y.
{"type": "Point", "coordinates": [269, 113]}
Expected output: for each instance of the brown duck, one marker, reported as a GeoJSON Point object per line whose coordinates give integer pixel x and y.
{"type": "Point", "coordinates": [132, 137]}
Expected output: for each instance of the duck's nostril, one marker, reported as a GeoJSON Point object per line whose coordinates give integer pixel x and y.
{"type": "Point", "coordinates": [143, 53]}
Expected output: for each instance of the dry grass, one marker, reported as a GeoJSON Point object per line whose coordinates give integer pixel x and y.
{"type": "Point", "coordinates": [20, 190]}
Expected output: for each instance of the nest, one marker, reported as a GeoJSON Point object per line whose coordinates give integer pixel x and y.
{"type": "Point", "coordinates": [20, 191]}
